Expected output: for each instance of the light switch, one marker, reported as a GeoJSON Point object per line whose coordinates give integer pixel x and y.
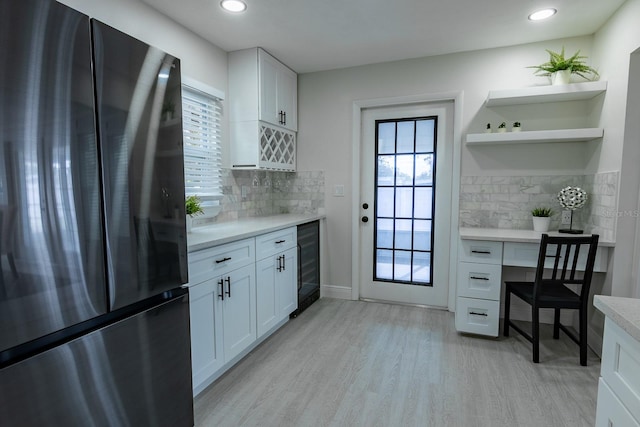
{"type": "Point", "coordinates": [338, 190]}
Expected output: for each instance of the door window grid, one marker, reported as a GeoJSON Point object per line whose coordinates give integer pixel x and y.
{"type": "Point", "coordinates": [404, 200]}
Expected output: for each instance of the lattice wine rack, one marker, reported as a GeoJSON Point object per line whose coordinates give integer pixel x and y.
{"type": "Point", "coordinates": [277, 148]}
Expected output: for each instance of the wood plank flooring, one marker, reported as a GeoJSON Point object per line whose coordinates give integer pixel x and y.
{"type": "Point", "coordinates": [354, 363]}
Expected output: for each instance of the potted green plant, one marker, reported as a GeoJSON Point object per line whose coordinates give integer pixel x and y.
{"type": "Point", "coordinates": [560, 68]}
{"type": "Point", "coordinates": [502, 127]}
{"type": "Point", "coordinates": [517, 127]}
{"type": "Point", "coordinates": [192, 208]}
{"type": "Point", "coordinates": [488, 128]}
{"type": "Point", "coordinates": [541, 218]}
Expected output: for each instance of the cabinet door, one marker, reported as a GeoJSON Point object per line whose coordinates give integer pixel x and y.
{"type": "Point", "coordinates": [239, 311]}
{"type": "Point", "coordinates": [268, 71]}
{"type": "Point", "coordinates": [287, 97]}
{"type": "Point", "coordinates": [206, 330]}
{"type": "Point", "coordinates": [287, 282]}
{"type": "Point", "coordinates": [267, 294]}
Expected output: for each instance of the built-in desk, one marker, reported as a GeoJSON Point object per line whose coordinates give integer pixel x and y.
{"type": "Point", "coordinates": [482, 255]}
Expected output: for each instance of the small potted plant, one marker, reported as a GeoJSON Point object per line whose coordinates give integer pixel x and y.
{"type": "Point", "coordinates": [541, 218]}
{"type": "Point", "coordinates": [502, 128]}
{"type": "Point", "coordinates": [560, 68]}
{"type": "Point", "coordinates": [192, 208]}
{"type": "Point", "coordinates": [517, 127]}
{"type": "Point", "coordinates": [488, 128]}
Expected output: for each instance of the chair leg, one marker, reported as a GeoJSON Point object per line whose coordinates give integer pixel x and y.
{"type": "Point", "coordinates": [535, 326]}
{"type": "Point", "coordinates": [556, 324]}
{"type": "Point", "coordinates": [507, 306]}
{"type": "Point", "coordinates": [583, 336]}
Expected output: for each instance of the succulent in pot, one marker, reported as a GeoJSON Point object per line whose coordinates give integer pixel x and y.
{"type": "Point", "coordinates": [541, 218]}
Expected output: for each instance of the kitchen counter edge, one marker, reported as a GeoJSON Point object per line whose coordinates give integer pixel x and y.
{"type": "Point", "coordinates": [625, 312]}
{"type": "Point", "coordinates": [230, 231]}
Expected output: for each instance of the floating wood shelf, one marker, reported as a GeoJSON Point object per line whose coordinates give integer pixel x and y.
{"type": "Point", "coordinates": [535, 137]}
{"type": "Point", "coordinates": [541, 94]}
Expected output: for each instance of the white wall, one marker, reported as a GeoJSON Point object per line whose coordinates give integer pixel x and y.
{"type": "Point", "coordinates": [325, 104]}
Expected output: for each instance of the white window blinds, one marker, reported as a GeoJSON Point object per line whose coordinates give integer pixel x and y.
{"type": "Point", "coordinates": [201, 118]}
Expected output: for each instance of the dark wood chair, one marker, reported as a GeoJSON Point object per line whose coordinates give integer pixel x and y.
{"type": "Point", "coordinates": [549, 288]}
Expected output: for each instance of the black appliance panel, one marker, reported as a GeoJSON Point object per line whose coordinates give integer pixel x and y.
{"type": "Point", "coordinates": [143, 172]}
{"type": "Point", "coordinates": [51, 239]}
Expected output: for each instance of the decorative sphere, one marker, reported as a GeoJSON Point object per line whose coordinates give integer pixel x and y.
{"type": "Point", "coordinates": [572, 198]}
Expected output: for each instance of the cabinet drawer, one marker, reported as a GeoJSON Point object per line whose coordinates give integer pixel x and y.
{"type": "Point", "coordinates": [481, 252]}
{"type": "Point", "coordinates": [479, 280]}
{"type": "Point", "coordinates": [275, 242]}
{"type": "Point", "coordinates": [526, 255]}
{"type": "Point", "coordinates": [478, 316]}
{"type": "Point", "coordinates": [220, 260]}
{"type": "Point", "coordinates": [611, 412]}
{"type": "Point", "coordinates": [621, 366]}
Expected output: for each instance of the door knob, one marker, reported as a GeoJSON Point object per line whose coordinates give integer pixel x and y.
{"type": "Point", "coordinates": [365, 219]}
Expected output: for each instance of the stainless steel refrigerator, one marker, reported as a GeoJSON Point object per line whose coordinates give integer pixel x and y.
{"type": "Point", "coordinates": [94, 321]}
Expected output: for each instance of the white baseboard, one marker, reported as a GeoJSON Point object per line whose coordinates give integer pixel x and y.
{"type": "Point", "coordinates": [338, 292]}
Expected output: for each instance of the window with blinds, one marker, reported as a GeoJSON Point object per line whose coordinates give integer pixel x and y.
{"type": "Point", "coordinates": [201, 118]}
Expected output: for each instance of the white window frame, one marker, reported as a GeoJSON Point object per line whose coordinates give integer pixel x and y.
{"type": "Point", "coordinates": [202, 133]}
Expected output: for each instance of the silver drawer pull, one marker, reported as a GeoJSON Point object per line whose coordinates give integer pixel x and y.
{"type": "Point", "coordinates": [225, 259]}
{"type": "Point", "coordinates": [478, 314]}
{"type": "Point", "coordinates": [478, 278]}
{"type": "Point", "coordinates": [481, 252]}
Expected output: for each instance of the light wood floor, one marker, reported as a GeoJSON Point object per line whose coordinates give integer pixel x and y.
{"type": "Point", "coordinates": [352, 363]}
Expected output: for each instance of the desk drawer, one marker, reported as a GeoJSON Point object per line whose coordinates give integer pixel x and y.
{"type": "Point", "coordinates": [479, 280]}
{"type": "Point", "coordinates": [278, 241]}
{"type": "Point", "coordinates": [621, 366]}
{"type": "Point", "coordinates": [478, 316]}
{"type": "Point", "coordinates": [220, 260]}
{"type": "Point", "coordinates": [526, 255]}
{"type": "Point", "coordinates": [481, 251]}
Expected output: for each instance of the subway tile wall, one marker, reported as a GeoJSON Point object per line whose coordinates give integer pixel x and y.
{"type": "Point", "coordinates": [507, 201]}
{"type": "Point", "coordinates": [268, 193]}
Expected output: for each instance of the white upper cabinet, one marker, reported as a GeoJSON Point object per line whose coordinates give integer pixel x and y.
{"type": "Point", "coordinates": [263, 111]}
{"type": "Point", "coordinates": [278, 92]}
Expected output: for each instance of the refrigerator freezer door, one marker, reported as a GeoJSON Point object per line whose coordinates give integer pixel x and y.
{"type": "Point", "coordinates": [51, 246]}
{"type": "Point", "coordinates": [136, 372]}
{"type": "Point", "coordinates": [140, 132]}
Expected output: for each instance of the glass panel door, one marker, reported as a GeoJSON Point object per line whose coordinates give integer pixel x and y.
{"type": "Point", "coordinates": [404, 200]}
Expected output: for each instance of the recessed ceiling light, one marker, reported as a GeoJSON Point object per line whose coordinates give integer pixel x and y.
{"type": "Point", "coordinates": [542, 14]}
{"type": "Point", "coordinates": [233, 5]}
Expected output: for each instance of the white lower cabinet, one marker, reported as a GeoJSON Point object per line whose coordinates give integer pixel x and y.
{"type": "Point", "coordinates": [235, 302]}
{"type": "Point", "coordinates": [277, 275]}
{"type": "Point", "coordinates": [478, 287]}
{"type": "Point", "coordinates": [206, 331]}
{"type": "Point", "coordinates": [619, 386]}
{"type": "Point", "coordinates": [238, 310]}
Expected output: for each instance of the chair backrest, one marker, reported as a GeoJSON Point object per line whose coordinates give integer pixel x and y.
{"type": "Point", "coordinates": [561, 256]}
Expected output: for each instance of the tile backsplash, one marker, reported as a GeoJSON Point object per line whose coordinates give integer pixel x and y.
{"type": "Point", "coordinates": [507, 201]}
{"type": "Point", "coordinates": [268, 193]}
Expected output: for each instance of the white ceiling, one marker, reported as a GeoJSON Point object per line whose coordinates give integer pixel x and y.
{"type": "Point", "coordinates": [314, 35]}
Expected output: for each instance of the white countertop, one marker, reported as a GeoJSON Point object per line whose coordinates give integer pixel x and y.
{"type": "Point", "coordinates": [624, 311]}
{"type": "Point", "coordinates": [229, 231]}
{"type": "Point", "coordinates": [504, 235]}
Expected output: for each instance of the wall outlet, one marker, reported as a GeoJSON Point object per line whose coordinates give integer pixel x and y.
{"type": "Point", "coordinates": [566, 217]}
